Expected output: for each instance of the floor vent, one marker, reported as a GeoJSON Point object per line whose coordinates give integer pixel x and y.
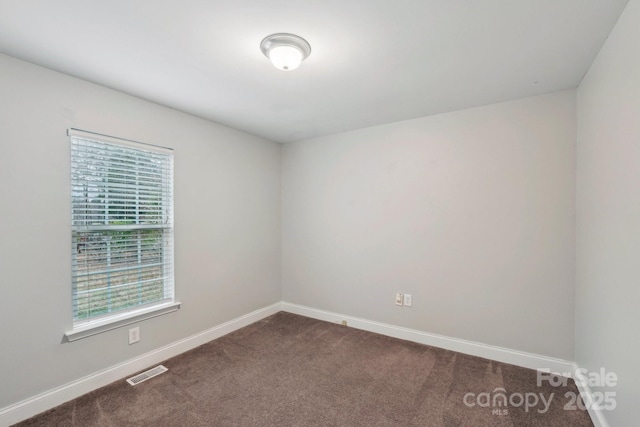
{"type": "Point", "coordinates": [146, 375]}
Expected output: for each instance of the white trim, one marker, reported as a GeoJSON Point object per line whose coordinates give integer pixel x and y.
{"type": "Point", "coordinates": [118, 321]}
{"type": "Point", "coordinates": [52, 398]}
{"type": "Point", "coordinates": [32, 406]}
{"type": "Point", "coordinates": [500, 354]}
{"type": "Point", "coordinates": [95, 136]}
{"type": "Point", "coordinates": [597, 415]}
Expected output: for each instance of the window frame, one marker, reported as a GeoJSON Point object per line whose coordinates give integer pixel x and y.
{"type": "Point", "coordinates": [80, 226]}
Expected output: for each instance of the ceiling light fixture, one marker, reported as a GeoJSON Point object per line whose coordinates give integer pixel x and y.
{"type": "Point", "coordinates": [286, 51]}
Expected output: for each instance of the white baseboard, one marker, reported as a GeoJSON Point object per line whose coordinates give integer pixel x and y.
{"type": "Point", "coordinates": [500, 354]}
{"type": "Point", "coordinates": [52, 398]}
{"type": "Point", "coordinates": [27, 408]}
{"type": "Point", "coordinates": [597, 415]}
{"type": "Point", "coordinates": [505, 355]}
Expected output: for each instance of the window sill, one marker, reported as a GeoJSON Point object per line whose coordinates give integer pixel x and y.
{"type": "Point", "coordinates": [94, 328]}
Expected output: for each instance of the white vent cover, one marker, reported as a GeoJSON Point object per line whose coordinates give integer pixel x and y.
{"type": "Point", "coordinates": [146, 375]}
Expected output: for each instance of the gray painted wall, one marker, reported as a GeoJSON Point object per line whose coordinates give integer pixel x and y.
{"type": "Point", "coordinates": [227, 223]}
{"type": "Point", "coordinates": [608, 221]}
{"type": "Point", "coordinates": [471, 212]}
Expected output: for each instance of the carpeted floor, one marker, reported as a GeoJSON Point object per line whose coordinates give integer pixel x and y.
{"type": "Point", "coordinates": [289, 370]}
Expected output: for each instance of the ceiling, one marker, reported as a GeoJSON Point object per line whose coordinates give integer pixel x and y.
{"type": "Point", "coordinates": [372, 61]}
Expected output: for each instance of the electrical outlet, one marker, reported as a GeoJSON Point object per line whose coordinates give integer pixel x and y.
{"type": "Point", "coordinates": [134, 335]}
{"type": "Point", "coordinates": [399, 299]}
{"type": "Point", "coordinates": [407, 300]}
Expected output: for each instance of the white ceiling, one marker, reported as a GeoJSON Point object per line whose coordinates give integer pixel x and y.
{"type": "Point", "coordinates": [372, 61]}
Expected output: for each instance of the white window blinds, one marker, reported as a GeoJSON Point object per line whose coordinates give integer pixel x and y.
{"type": "Point", "coordinates": [122, 226]}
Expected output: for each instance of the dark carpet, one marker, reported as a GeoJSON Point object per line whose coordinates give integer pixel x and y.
{"type": "Point", "coordinates": [289, 370]}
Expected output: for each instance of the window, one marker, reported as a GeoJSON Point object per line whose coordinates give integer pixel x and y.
{"type": "Point", "coordinates": [122, 228]}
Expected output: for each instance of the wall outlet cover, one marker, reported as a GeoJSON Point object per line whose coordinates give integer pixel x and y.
{"type": "Point", "coordinates": [407, 300]}
{"type": "Point", "coordinates": [399, 299]}
{"type": "Point", "coordinates": [134, 335]}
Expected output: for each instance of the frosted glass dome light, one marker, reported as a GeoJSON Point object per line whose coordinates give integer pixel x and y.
{"type": "Point", "coordinates": [285, 51]}
{"type": "Point", "coordinates": [285, 58]}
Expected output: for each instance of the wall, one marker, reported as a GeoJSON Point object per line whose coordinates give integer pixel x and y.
{"type": "Point", "coordinates": [227, 224]}
{"type": "Point", "coordinates": [471, 212]}
{"type": "Point", "coordinates": [608, 215]}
